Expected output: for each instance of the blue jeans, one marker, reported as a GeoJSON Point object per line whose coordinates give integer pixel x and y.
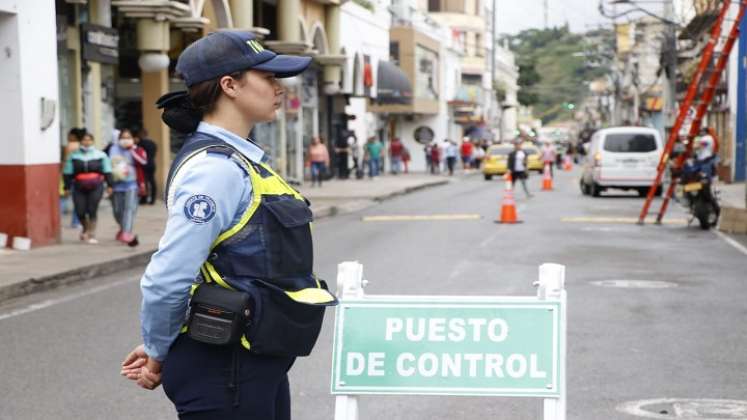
{"type": "Point", "coordinates": [317, 172]}
{"type": "Point", "coordinates": [124, 205]}
{"type": "Point", "coordinates": [396, 164]}
{"type": "Point", "coordinates": [373, 167]}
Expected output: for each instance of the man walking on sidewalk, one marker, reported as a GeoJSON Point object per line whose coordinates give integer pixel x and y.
{"type": "Point", "coordinates": [517, 164]}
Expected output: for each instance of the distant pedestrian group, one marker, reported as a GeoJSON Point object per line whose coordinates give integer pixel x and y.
{"type": "Point", "coordinates": [124, 172]}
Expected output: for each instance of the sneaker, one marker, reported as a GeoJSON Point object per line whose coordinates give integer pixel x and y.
{"type": "Point", "coordinates": [92, 241]}
{"type": "Point", "coordinates": [134, 242]}
{"type": "Point", "coordinates": [119, 235]}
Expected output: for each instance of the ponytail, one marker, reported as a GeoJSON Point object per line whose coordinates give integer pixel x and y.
{"type": "Point", "coordinates": [178, 112]}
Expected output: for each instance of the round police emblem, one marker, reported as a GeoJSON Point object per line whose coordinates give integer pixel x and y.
{"type": "Point", "coordinates": [199, 209]}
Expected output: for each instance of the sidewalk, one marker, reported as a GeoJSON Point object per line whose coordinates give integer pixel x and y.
{"type": "Point", "coordinates": [733, 211]}
{"type": "Point", "coordinates": [71, 261]}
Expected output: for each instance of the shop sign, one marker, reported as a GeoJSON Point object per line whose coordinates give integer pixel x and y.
{"type": "Point", "coordinates": [100, 43]}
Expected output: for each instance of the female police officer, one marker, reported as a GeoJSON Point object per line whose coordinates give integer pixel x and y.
{"type": "Point", "coordinates": [236, 255]}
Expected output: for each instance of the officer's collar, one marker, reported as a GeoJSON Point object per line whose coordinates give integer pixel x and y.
{"type": "Point", "coordinates": [247, 147]}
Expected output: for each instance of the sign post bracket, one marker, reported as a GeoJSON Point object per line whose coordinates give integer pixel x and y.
{"type": "Point", "coordinates": [551, 285]}
{"type": "Point", "coordinates": [350, 284]}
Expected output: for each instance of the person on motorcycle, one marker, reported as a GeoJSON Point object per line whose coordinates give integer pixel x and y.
{"type": "Point", "coordinates": [705, 159]}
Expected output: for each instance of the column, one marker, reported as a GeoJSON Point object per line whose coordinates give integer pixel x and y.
{"type": "Point", "coordinates": [242, 13]}
{"type": "Point", "coordinates": [332, 71]}
{"type": "Point", "coordinates": [289, 30]}
{"type": "Point", "coordinates": [153, 43]}
{"type": "Point", "coordinates": [30, 144]}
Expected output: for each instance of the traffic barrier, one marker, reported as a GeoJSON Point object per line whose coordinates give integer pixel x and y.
{"type": "Point", "coordinates": [490, 346]}
{"type": "Point", "coordinates": [21, 243]}
{"type": "Point", "coordinates": [547, 178]}
{"type": "Point", "coordinates": [3, 240]}
{"type": "Point", "coordinates": [567, 163]}
{"type": "Point", "coordinates": [508, 205]}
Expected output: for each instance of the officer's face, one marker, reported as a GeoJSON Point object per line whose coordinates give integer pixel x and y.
{"type": "Point", "coordinates": [260, 96]}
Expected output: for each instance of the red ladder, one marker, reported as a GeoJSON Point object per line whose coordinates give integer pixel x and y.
{"type": "Point", "coordinates": [706, 98]}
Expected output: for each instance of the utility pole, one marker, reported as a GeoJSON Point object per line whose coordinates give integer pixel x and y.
{"type": "Point", "coordinates": [494, 45]}
{"type": "Point", "coordinates": [546, 13]}
{"type": "Point", "coordinates": [671, 46]}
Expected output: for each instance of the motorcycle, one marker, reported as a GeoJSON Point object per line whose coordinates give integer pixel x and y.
{"type": "Point", "coordinates": [700, 196]}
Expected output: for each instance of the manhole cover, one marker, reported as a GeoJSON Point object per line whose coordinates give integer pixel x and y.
{"type": "Point", "coordinates": [635, 284]}
{"type": "Point", "coordinates": [686, 409]}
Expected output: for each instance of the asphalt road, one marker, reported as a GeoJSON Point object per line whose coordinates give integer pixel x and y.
{"type": "Point", "coordinates": [61, 349]}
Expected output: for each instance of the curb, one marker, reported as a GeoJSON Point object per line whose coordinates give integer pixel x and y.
{"type": "Point", "coordinates": [80, 274]}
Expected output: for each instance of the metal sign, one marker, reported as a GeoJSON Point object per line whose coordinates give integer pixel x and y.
{"type": "Point", "coordinates": [100, 43]}
{"type": "Point", "coordinates": [499, 346]}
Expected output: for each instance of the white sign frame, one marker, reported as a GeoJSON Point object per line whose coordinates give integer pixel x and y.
{"type": "Point", "coordinates": [550, 288]}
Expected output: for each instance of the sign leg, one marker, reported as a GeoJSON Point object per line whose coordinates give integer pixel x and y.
{"type": "Point", "coordinates": [346, 407]}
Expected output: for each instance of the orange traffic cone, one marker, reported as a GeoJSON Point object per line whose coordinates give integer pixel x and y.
{"type": "Point", "coordinates": [547, 179]}
{"type": "Point", "coordinates": [567, 163]}
{"type": "Point", "coordinates": [508, 206]}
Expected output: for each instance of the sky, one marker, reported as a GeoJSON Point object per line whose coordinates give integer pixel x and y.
{"type": "Point", "coordinates": [514, 16]}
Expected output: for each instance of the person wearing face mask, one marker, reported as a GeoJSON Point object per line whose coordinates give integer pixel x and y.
{"type": "Point", "coordinates": [230, 298]}
{"type": "Point", "coordinates": [127, 162]}
{"type": "Point", "coordinates": [84, 173]}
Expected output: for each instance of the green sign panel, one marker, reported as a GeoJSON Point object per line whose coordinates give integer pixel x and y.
{"type": "Point", "coordinates": [448, 346]}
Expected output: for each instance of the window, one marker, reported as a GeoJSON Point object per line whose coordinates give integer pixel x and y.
{"type": "Point", "coordinates": [479, 48]}
{"type": "Point", "coordinates": [394, 52]}
{"type": "Point", "coordinates": [434, 5]}
{"type": "Point", "coordinates": [426, 83]}
{"type": "Point", "coordinates": [630, 143]}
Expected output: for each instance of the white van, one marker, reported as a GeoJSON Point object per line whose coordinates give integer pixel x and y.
{"type": "Point", "coordinates": [622, 157]}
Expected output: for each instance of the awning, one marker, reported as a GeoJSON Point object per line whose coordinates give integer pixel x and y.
{"type": "Point", "coordinates": [393, 85]}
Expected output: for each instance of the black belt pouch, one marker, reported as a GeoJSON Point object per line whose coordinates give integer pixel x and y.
{"type": "Point", "coordinates": [282, 326]}
{"type": "Point", "coordinates": [218, 315]}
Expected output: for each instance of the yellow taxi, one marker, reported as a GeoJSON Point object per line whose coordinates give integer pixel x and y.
{"type": "Point", "coordinates": [534, 157]}
{"type": "Point", "coordinates": [496, 160]}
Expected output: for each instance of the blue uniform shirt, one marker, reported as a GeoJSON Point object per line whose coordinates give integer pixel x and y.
{"type": "Point", "coordinates": [209, 196]}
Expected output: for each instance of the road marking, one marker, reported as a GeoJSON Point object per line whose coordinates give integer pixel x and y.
{"type": "Point", "coordinates": [741, 248]}
{"type": "Point", "coordinates": [421, 217]}
{"type": "Point", "coordinates": [635, 284]}
{"type": "Point", "coordinates": [618, 220]}
{"type": "Point", "coordinates": [52, 302]}
{"type": "Point", "coordinates": [686, 408]}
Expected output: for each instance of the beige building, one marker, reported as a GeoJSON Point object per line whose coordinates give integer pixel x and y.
{"type": "Point", "coordinates": [143, 39]}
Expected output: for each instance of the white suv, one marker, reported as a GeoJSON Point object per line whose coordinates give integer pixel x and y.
{"type": "Point", "coordinates": [622, 157]}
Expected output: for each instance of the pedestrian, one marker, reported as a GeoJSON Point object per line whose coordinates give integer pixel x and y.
{"type": "Point", "coordinates": [517, 164]}
{"type": "Point", "coordinates": [435, 158]}
{"type": "Point", "coordinates": [319, 158]}
{"type": "Point", "coordinates": [451, 156]}
{"type": "Point", "coordinates": [466, 153]}
{"type": "Point", "coordinates": [548, 156]}
{"type": "Point", "coordinates": [243, 232]}
{"type": "Point", "coordinates": [74, 137]}
{"type": "Point", "coordinates": [406, 159]}
{"type": "Point", "coordinates": [396, 151]}
{"type": "Point", "coordinates": [143, 141]}
{"type": "Point", "coordinates": [85, 171]}
{"type": "Point", "coordinates": [374, 151]}
{"type": "Point", "coordinates": [478, 154]}
{"type": "Point", "coordinates": [128, 161]}
{"type": "Point", "coordinates": [428, 160]}
{"type": "Point", "coordinates": [342, 152]}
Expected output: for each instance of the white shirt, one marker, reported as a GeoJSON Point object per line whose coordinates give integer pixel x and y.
{"type": "Point", "coordinates": [519, 163]}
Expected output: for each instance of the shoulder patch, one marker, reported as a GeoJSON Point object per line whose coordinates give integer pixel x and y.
{"type": "Point", "coordinates": [199, 208]}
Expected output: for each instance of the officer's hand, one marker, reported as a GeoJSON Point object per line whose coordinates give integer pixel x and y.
{"type": "Point", "coordinates": [150, 375]}
{"type": "Point", "coordinates": [134, 362]}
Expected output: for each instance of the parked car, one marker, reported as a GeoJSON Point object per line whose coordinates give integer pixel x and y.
{"type": "Point", "coordinates": [622, 157]}
{"type": "Point", "coordinates": [496, 160]}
